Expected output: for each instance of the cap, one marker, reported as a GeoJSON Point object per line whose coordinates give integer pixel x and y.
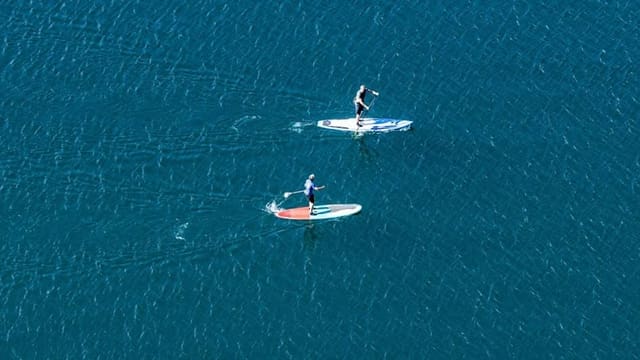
{"type": "Point", "coordinates": [312, 176]}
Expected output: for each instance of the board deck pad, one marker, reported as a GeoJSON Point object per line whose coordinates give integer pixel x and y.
{"type": "Point", "coordinates": [320, 212]}
{"type": "Point", "coordinates": [368, 124]}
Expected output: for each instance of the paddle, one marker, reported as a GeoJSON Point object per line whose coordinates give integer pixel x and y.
{"type": "Point", "coordinates": [289, 193]}
{"type": "Point", "coordinates": [369, 107]}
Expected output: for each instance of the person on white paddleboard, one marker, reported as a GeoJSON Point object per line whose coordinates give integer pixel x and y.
{"type": "Point", "coordinates": [309, 188]}
{"type": "Point", "coordinates": [358, 101]}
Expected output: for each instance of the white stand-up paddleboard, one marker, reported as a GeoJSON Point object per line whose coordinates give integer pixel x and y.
{"type": "Point", "coordinates": [320, 212]}
{"type": "Point", "coordinates": [368, 124]}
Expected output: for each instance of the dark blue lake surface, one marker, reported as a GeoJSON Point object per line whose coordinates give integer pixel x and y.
{"type": "Point", "coordinates": [142, 142]}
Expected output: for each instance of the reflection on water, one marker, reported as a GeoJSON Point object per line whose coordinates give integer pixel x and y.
{"type": "Point", "coordinates": [310, 237]}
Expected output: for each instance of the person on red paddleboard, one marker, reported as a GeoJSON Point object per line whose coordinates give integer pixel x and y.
{"type": "Point", "coordinates": [309, 187]}
{"type": "Point", "coordinates": [358, 101]}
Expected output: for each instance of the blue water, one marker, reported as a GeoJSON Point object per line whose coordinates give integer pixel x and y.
{"type": "Point", "coordinates": [142, 143]}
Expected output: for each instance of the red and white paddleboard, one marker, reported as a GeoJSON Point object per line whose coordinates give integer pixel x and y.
{"type": "Point", "coordinates": [320, 212]}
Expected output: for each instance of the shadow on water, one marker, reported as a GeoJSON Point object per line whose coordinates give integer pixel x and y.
{"type": "Point", "coordinates": [310, 237]}
{"type": "Point", "coordinates": [365, 151]}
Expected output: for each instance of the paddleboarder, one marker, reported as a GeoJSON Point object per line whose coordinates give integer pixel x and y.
{"type": "Point", "coordinates": [309, 188]}
{"type": "Point", "coordinates": [358, 101]}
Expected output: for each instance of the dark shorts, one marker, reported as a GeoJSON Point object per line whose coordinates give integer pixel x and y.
{"type": "Point", "coordinates": [359, 108]}
{"type": "Point", "coordinates": [311, 198]}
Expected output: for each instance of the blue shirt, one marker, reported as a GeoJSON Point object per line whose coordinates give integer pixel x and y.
{"type": "Point", "coordinates": [309, 186]}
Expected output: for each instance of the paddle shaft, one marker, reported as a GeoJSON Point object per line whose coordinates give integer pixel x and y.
{"type": "Point", "coordinates": [369, 107]}
{"type": "Point", "coordinates": [289, 193]}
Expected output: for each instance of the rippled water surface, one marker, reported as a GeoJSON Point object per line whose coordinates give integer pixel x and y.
{"type": "Point", "coordinates": [142, 144]}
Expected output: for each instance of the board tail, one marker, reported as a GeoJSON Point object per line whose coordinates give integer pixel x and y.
{"type": "Point", "coordinates": [272, 207]}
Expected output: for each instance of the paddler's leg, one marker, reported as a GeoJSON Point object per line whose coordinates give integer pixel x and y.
{"type": "Point", "coordinates": [311, 201]}
{"type": "Point", "coordinates": [358, 112]}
